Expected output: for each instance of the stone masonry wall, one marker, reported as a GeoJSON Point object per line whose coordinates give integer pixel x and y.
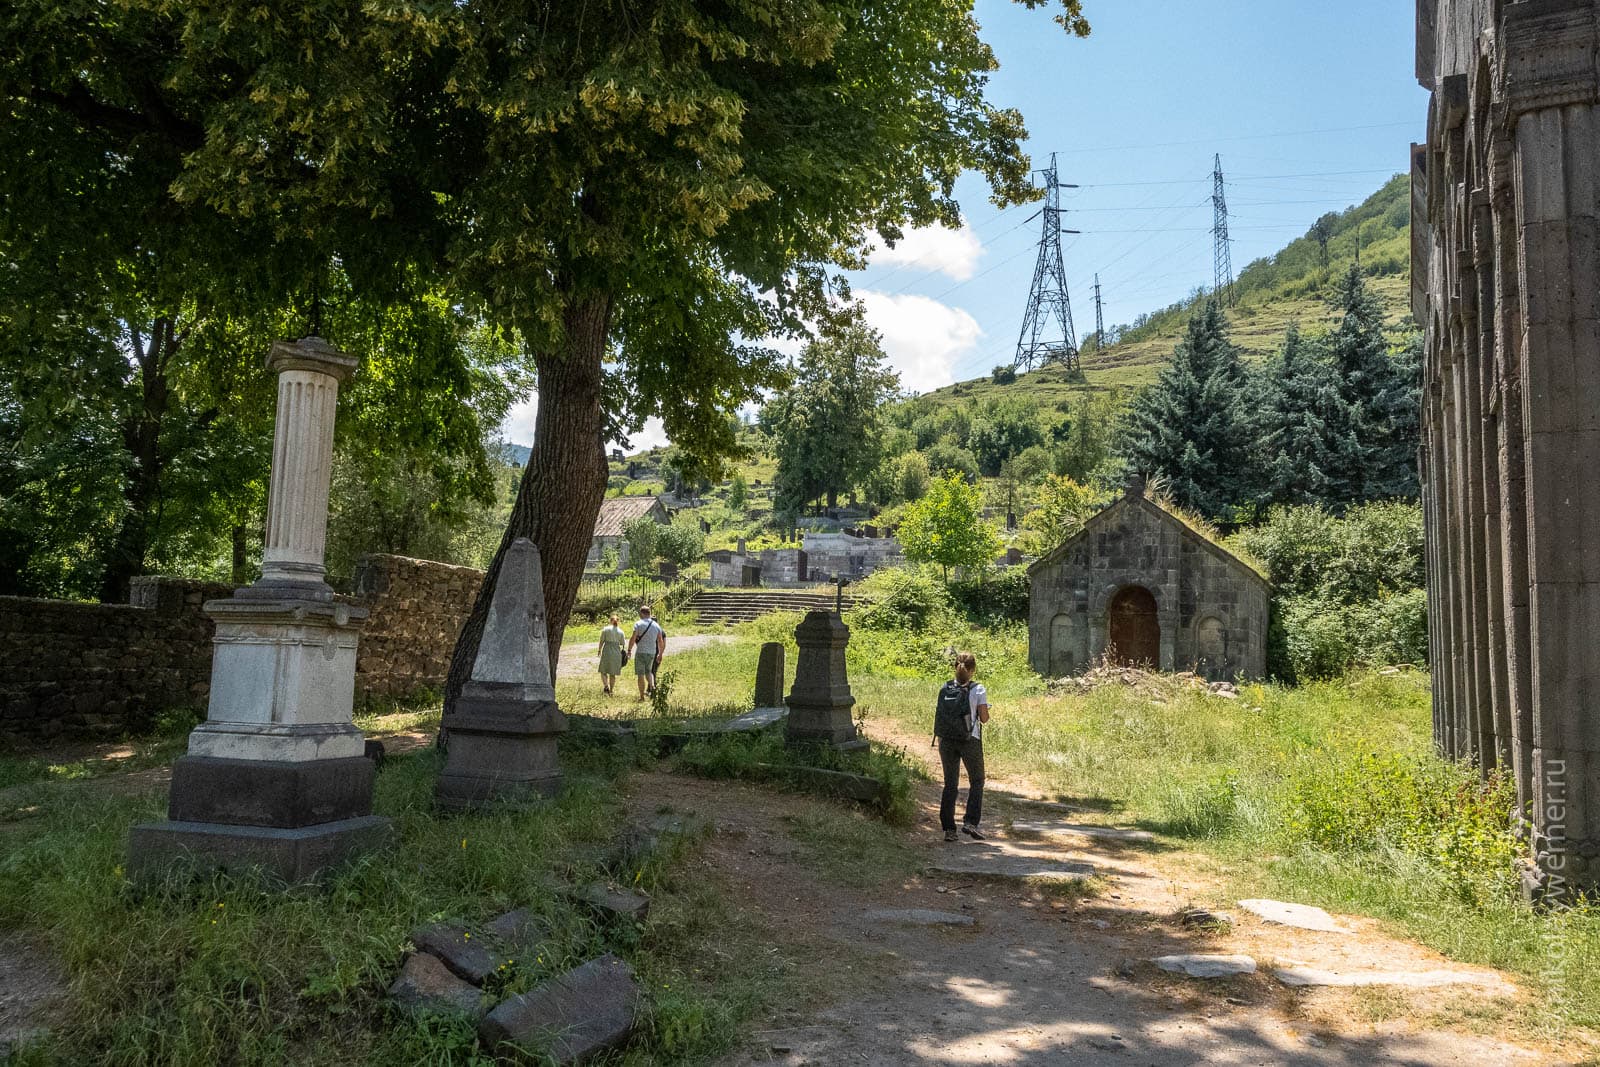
{"type": "Point", "coordinates": [75, 671]}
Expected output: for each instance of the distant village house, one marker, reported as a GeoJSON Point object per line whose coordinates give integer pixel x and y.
{"type": "Point", "coordinates": [615, 514]}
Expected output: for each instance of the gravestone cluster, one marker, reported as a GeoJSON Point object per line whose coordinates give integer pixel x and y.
{"type": "Point", "coordinates": [1506, 284]}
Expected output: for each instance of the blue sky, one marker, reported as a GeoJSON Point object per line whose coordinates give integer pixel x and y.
{"type": "Point", "coordinates": [1312, 106]}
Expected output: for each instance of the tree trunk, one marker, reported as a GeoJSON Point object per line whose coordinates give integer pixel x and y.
{"type": "Point", "coordinates": [562, 486]}
{"type": "Point", "coordinates": [141, 436]}
{"type": "Point", "coordinates": [241, 562]}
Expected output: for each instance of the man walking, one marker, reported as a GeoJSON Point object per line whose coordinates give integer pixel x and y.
{"type": "Point", "coordinates": [958, 731]}
{"type": "Point", "coordinates": [648, 646]}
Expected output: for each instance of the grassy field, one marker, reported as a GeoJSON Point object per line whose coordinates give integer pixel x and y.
{"type": "Point", "coordinates": [1328, 794]}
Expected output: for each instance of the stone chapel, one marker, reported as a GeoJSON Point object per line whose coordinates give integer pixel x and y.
{"type": "Point", "coordinates": [1137, 583]}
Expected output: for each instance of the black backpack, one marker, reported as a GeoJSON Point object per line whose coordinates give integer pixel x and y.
{"type": "Point", "coordinates": [951, 716]}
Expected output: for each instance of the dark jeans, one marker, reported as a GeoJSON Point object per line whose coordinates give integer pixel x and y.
{"type": "Point", "coordinates": [953, 754]}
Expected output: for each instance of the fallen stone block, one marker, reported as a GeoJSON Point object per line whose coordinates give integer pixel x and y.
{"type": "Point", "coordinates": [1301, 916]}
{"type": "Point", "coordinates": [1205, 917]}
{"type": "Point", "coordinates": [588, 1010]}
{"type": "Point", "coordinates": [426, 986]}
{"type": "Point", "coordinates": [611, 905]}
{"type": "Point", "coordinates": [1206, 966]}
{"type": "Point", "coordinates": [753, 721]}
{"type": "Point", "coordinates": [471, 958]}
{"type": "Point", "coordinates": [516, 930]}
{"type": "Point", "coordinates": [857, 787]}
{"type": "Point", "coordinates": [1313, 976]}
{"type": "Point", "coordinates": [919, 917]}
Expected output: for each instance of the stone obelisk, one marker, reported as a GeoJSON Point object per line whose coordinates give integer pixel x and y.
{"type": "Point", "coordinates": [275, 778]}
{"type": "Point", "coordinates": [504, 726]}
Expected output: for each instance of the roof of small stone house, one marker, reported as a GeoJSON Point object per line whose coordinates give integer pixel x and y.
{"type": "Point", "coordinates": [1135, 498]}
{"type": "Point", "coordinates": [616, 512]}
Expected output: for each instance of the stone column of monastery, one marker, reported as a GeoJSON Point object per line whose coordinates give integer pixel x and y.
{"type": "Point", "coordinates": [1506, 280]}
{"type": "Point", "coordinates": [276, 777]}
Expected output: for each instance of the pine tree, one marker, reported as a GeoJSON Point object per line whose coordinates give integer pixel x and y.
{"type": "Point", "coordinates": [1294, 397]}
{"type": "Point", "coordinates": [1372, 432]}
{"type": "Point", "coordinates": [1188, 426]}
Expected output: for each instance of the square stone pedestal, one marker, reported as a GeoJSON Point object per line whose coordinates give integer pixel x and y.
{"type": "Point", "coordinates": [276, 778]}
{"type": "Point", "coordinates": [501, 750]}
{"type": "Point", "coordinates": [820, 702]}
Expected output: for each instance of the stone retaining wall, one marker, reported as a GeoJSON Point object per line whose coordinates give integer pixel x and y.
{"type": "Point", "coordinates": [74, 671]}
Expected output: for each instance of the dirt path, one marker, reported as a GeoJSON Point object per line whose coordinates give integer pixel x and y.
{"type": "Point", "coordinates": [1053, 976]}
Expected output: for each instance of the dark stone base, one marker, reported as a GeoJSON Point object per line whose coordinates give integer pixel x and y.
{"type": "Point", "coordinates": [272, 793]}
{"type": "Point", "coordinates": [828, 726]}
{"type": "Point", "coordinates": [290, 855]}
{"type": "Point", "coordinates": [472, 792]}
{"type": "Point", "coordinates": [502, 753]}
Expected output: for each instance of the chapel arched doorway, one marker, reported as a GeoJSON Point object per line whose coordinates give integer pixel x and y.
{"type": "Point", "coordinates": [1135, 631]}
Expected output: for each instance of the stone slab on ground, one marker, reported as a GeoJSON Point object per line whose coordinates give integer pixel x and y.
{"type": "Point", "coordinates": [471, 958]}
{"type": "Point", "coordinates": [588, 1010]}
{"type": "Point", "coordinates": [919, 917]}
{"type": "Point", "coordinates": [612, 904]}
{"type": "Point", "coordinates": [857, 787]}
{"type": "Point", "coordinates": [1006, 865]}
{"type": "Point", "coordinates": [1300, 916]}
{"type": "Point", "coordinates": [758, 719]}
{"type": "Point", "coordinates": [1048, 828]}
{"type": "Point", "coordinates": [1204, 965]}
{"type": "Point", "coordinates": [426, 985]}
{"type": "Point", "coordinates": [1314, 976]}
{"type": "Point", "coordinates": [516, 929]}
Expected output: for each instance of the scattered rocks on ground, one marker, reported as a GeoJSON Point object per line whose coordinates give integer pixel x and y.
{"type": "Point", "coordinates": [611, 904]}
{"type": "Point", "coordinates": [1301, 916]}
{"type": "Point", "coordinates": [1313, 976]}
{"type": "Point", "coordinates": [1144, 682]}
{"type": "Point", "coordinates": [471, 958]}
{"type": "Point", "coordinates": [1205, 917]}
{"type": "Point", "coordinates": [426, 986]}
{"type": "Point", "coordinates": [1201, 965]}
{"type": "Point", "coordinates": [919, 917]}
{"type": "Point", "coordinates": [1005, 865]}
{"type": "Point", "coordinates": [588, 1010]}
{"type": "Point", "coordinates": [516, 930]}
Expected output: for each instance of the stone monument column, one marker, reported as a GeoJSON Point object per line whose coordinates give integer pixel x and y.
{"type": "Point", "coordinates": [276, 777]}
{"type": "Point", "coordinates": [820, 700]}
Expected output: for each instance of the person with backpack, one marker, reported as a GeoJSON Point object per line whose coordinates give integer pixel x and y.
{"type": "Point", "coordinates": [648, 646]}
{"type": "Point", "coordinates": [958, 721]}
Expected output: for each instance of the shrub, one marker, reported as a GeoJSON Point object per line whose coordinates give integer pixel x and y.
{"type": "Point", "coordinates": [1003, 596]}
{"type": "Point", "coordinates": [901, 598]}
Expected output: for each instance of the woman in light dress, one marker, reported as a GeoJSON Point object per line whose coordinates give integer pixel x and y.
{"type": "Point", "coordinates": [611, 641]}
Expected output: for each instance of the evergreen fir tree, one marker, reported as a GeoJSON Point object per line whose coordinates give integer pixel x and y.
{"type": "Point", "coordinates": [1295, 396]}
{"type": "Point", "coordinates": [1188, 426]}
{"type": "Point", "coordinates": [1372, 431]}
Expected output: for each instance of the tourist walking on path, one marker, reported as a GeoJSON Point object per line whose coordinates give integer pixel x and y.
{"type": "Point", "coordinates": [958, 731]}
{"type": "Point", "coordinates": [611, 655]}
{"type": "Point", "coordinates": [649, 646]}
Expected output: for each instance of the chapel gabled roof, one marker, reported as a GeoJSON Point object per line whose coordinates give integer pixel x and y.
{"type": "Point", "coordinates": [616, 512]}
{"type": "Point", "coordinates": [1136, 498]}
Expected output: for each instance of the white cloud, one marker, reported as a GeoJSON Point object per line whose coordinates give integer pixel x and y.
{"type": "Point", "coordinates": [934, 248]}
{"type": "Point", "coordinates": [923, 338]}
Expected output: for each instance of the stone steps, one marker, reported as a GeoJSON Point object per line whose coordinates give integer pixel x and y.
{"type": "Point", "coordinates": [729, 607]}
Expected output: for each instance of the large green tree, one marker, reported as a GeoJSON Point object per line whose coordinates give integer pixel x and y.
{"type": "Point", "coordinates": [1189, 425]}
{"type": "Point", "coordinates": [643, 191]}
{"type": "Point", "coordinates": [826, 426]}
{"type": "Point", "coordinates": [947, 527]}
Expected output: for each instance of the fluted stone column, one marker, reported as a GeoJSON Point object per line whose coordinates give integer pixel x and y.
{"type": "Point", "coordinates": [276, 777]}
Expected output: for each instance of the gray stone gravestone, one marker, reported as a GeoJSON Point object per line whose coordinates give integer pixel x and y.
{"type": "Point", "coordinates": [769, 675]}
{"type": "Point", "coordinates": [504, 726]}
{"type": "Point", "coordinates": [820, 701]}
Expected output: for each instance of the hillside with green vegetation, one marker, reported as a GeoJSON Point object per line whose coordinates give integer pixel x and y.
{"type": "Point", "coordinates": [1291, 286]}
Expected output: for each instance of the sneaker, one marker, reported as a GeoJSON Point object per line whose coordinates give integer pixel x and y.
{"type": "Point", "coordinates": [950, 835]}
{"type": "Point", "coordinates": [973, 832]}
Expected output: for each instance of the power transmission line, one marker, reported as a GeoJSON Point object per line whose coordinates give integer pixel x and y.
{"type": "Point", "coordinates": [1043, 340]}
{"type": "Point", "coordinates": [1099, 317]}
{"type": "Point", "coordinates": [1222, 255]}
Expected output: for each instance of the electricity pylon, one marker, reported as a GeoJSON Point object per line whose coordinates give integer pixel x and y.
{"type": "Point", "coordinates": [1047, 335]}
{"type": "Point", "coordinates": [1222, 256]}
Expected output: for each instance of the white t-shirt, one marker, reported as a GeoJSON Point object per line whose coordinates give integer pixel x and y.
{"type": "Point", "coordinates": [977, 697]}
{"type": "Point", "coordinates": [646, 632]}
